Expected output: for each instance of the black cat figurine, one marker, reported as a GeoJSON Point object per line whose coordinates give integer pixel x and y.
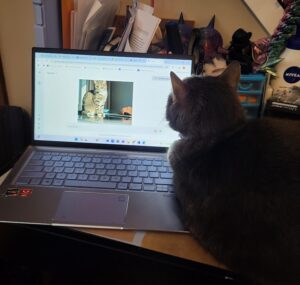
{"type": "Point", "coordinates": [237, 180]}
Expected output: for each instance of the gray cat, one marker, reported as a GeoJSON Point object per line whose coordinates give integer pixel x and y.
{"type": "Point", "coordinates": [237, 180]}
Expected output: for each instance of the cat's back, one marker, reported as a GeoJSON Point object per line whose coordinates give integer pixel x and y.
{"type": "Point", "coordinates": [270, 130]}
{"type": "Point", "coordinates": [241, 197]}
{"type": "Point", "coordinates": [263, 155]}
{"type": "Point", "coordinates": [269, 147]}
{"type": "Point", "coordinates": [272, 145]}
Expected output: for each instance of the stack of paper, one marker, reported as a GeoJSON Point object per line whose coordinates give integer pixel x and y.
{"type": "Point", "coordinates": [91, 21]}
{"type": "Point", "coordinates": [88, 21]}
{"type": "Point", "coordinates": [140, 30]}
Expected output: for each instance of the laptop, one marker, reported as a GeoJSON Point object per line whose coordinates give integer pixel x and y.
{"type": "Point", "coordinates": [98, 156]}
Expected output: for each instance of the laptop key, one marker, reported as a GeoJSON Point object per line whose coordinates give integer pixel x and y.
{"type": "Point", "coordinates": [35, 162]}
{"type": "Point", "coordinates": [69, 164]}
{"type": "Point", "coordinates": [90, 165]}
{"type": "Point", "coordinates": [76, 158]}
{"type": "Point", "coordinates": [91, 184]}
{"type": "Point", "coordinates": [48, 169]}
{"type": "Point", "coordinates": [143, 174]}
{"type": "Point", "coordinates": [121, 167]}
{"type": "Point", "coordinates": [148, 180]}
{"type": "Point", "coordinates": [164, 181]}
{"type": "Point", "coordinates": [135, 186]}
{"type": "Point", "coordinates": [79, 164]}
{"type": "Point", "coordinates": [147, 162]}
{"type": "Point", "coordinates": [126, 179]}
{"type": "Point", "coordinates": [86, 159]}
{"type": "Point", "coordinates": [137, 180]}
{"type": "Point", "coordinates": [33, 168]}
{"type": "Point", "coordinates": [126, 161]}
{"type": "Point", "coordinates": [58, 169]}
{"type": "Point", "coordinates": [35, 181]}
{"type": "Point", "coordinates": [46, 182]}
{"type": "Point", "coordinates": [131, 167]}
{"type": "Point", "coordinates": [96, 159]}
{"type": "Point", "coordinates": [36, 156]}
{"type": "Point", "coordinates": [61, 175]}
{"type": "Point", "coordinates": [157, 163]}
{"type": "Point", "coordinates": [32, 174]}
{"type": "Point", "coordinates": [166, 175]}
{"type": "Point", "coordinates": [50, 175]}
{"type": "Point", "coordinates": [46, 157]}
{"type": "Point", "coordinates": [162, 169]}
{"type": "Point", "coordinates": [151, 168]}
{"type": "Point", "coordinates": [153, 174]}
{"type": "Point", "coordinates": [163, 188]}
{"type": "Point", "coordinates": [116, 161]}
{"type": "Point", "coordinates": [142, 167]}
{"type": "Point", "coordinates": [111, 172]}
{"type": "Point", "coordinates": [104, 178]}
{"type": "Point", "coordinates": [58, 182]}
{"type": "Point", "coordinates": [101, 171]}
{"type": "Point", "coordinates": [90, 171]}
{"type": "Point", "coordinates": [57, 163]}
{"type": "Point", "coordinates": [122, 172]}
{"type": "Point", "coordinates": [94, 177]}
{"type": "Point", "coordinates": [23, 180]}
{"type": "Point", "coordinates": [82, 177]}
{"type": "Point", "coordinates": [115, 179]}
{"type": "Point", "coordinates": [49, 163]}
{"type": "Point", "coordinates": [56, 157]}
{"type": "Point", "coordinates": [79, 170]}
{"type": "Point", "coordinates": [149, 187]}
{"type": "Point", "coordinates": [137, 162]}
{"type": "Point", "coordinates": [122, 186]}
{"type": "Point", "coordinates": [72, 176]}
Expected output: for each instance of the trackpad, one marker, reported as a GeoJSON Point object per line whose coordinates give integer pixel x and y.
{"type": "Point", "coordinates": [92, 209]}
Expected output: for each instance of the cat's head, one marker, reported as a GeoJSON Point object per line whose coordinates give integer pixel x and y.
{"type": "Point", "coordinates": [99, 84]}
{"type": "Point", "coordinates": [205, 106]}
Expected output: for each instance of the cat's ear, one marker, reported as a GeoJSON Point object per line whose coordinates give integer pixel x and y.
{"type": "Point", "coordinates": [232, 74]}
{"type": "Point", "coordinates": [180, 89]}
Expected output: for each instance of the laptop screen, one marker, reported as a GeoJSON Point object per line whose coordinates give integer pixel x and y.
{"type": "Point", "coordinates": [111, 98]}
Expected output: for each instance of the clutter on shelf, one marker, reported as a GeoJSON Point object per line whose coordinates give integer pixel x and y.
{"type": "Point", "coordinates": [282, 62]}
{"type": "Point", "coordinates": [240, 49]}
{"type": "Point", "coordinates": [95, 25]}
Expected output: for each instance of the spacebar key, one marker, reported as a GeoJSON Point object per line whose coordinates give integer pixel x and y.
{"type": "Point", "coordinates": [90, 184]}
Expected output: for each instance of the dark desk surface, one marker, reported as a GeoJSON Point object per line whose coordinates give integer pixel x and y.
{"type": "Point", "coordinates": [176, 244]}
{"type": "Point", "coordinates": [69, 256]}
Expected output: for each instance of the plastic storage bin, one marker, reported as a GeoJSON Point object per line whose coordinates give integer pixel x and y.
{"type": "Point", "coordinates": [250, 90]}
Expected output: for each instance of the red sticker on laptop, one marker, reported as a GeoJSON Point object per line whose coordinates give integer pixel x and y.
{"type": "Point", "coordinates": [25, 192]}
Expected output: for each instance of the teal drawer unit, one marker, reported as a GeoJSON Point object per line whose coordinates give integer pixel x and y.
{"type": "Point", "coordinates": [250, 90]}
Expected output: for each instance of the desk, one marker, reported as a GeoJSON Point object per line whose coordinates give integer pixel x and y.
{"type": "Point", "coordinates": [176, 255]}
{"type": "Point", "coordinates": [176, 244]}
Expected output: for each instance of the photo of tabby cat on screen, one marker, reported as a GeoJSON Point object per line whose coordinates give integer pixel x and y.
{"type": "Point", "coordinates": [103, 101]}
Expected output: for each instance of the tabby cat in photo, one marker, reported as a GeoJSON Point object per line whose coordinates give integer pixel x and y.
{"type": "Point", "coordinates": [94, 100]}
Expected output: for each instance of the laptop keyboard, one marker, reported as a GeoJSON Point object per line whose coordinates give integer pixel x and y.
{"type": "Point", "coordinates": [102, 171]}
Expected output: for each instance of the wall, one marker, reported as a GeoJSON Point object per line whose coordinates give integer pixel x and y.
{"type": "Point", "coordinates": [121, 95]}
{"type": "Point", "coordinates": [17, 37]}
{"type": "Point", "coordinates": [16, 40]}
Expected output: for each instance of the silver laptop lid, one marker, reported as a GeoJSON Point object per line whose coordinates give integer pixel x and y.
{"type": "Point", "coordinates": [118, 99]}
